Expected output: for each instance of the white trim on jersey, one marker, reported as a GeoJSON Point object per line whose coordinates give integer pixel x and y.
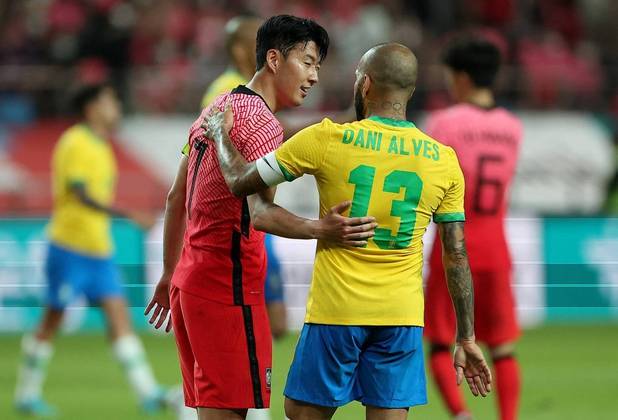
{"type": "Point", "coordinates": [269, 170]}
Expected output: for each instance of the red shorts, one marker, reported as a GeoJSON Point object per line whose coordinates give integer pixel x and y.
{"type": "Point", "coordinates": [495, 321]}
{"type": "Point", "coordinates": [225, 352]}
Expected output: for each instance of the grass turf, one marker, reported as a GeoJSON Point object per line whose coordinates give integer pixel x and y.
{"type": "Point", "coordinates": [569, 373]}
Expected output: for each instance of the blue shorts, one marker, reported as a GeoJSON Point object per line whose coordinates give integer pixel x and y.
{"type": "Point", "coordinates": [273, 288]}
{"type": "Point", "coordinates": [378, 366]}
{"type": "Point", "coordinates": [70, 275]}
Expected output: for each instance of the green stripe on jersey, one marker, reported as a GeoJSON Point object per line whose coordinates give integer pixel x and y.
{"type": "Point", "coordinates": [286, 174]}
{"type": "Point", "coordinates": [449, 217]}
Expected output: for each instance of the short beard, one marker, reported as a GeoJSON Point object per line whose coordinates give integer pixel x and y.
{"type": "Point", "coordinates": [359, 105]}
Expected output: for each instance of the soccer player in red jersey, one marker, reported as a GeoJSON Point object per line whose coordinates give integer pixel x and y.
{"type": "Point", "coordinates": [213, 279]}
{"type": "Point", "coordinates": [486, 139]}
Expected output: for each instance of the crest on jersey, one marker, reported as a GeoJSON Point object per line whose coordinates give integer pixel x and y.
{"type": "Point", "coordinates": [269, 376]}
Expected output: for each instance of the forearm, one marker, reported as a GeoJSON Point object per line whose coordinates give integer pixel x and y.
{"type": "Point", "coordinates": [459, 278]}
{"type": "Point", "coordinates": [280, 222]}
{"type": "Point", "coordinates": [173, 233]}
{"type": "Point", "coordinates": [239, 175]}
{"type": "Point", "coordinates": [87, 200]}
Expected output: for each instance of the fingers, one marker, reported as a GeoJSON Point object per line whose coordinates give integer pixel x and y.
{"type": "Point", "coordinates": [168, 327]}
{"type": "Point", "coordinates": [162, 318]}
{"type": "Point", "coordinates": [459, 373]}
{"type": "Point", "coordinates": [360, 221]}
{"type": "Point", "coordinates": [480, 386]}
{"type": "Point", "coordinates": [486, 376]}
{"type": "Point", "coordinates": [341, 207]}
{"type": "Point", "coordinates": [365, 230]}
{"type": "Point", "coordinates": [155, 314]}
{"type": "Point", "coordinates": [355, 244]}
{"type": "Point", "coordinates": [149, 307]}
{"type": "Point", "coordinates": [472, 386]}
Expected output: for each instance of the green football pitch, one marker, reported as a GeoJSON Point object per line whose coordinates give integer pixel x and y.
{"type": "Point", "coordinates": [569, 373]}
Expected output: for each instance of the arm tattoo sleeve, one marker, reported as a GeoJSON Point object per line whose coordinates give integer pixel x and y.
{"type": "Point", "coordinates": [458, 277]}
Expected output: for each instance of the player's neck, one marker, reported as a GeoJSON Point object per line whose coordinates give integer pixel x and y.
{"type": "Point", "coordinates": [100, 130]}
{"type": "Point", "coordinates": [392, 108]}
{"type": "Point", "coordinates": [263, 87]}
{"type": "Point", "coordinates": [483, 98]}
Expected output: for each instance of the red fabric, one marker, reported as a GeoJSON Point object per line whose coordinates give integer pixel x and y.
{"type": "Point", "coordinates": [443, 373]}
{"type": "Point", "coordinates": [206, 267]}
{"type": "Point", "coordinates": [213, 351]}
{"type": "Point", "coordinates": [487, 145]}
{"type": "Point", "coordinates": [494, 309]}
{"type": "Point", "coordinates": [508, 387]}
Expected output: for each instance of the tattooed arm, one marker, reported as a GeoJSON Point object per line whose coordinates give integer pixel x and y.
{"type": "Point", "coordinates": [468, 358]}
{"type": "Point", "coordinates": [458, 277]}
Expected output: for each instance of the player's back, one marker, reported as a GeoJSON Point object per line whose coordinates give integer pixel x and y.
{"type": "Point", "coordinates": [397, 174]}
{"type": "Point", "coordinates": [487, 143]}
{"type": "Point", "coordinates": [222, 251]}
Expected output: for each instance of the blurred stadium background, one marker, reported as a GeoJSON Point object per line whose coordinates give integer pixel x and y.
{"type": "Point", "coordinates": [560, 77]}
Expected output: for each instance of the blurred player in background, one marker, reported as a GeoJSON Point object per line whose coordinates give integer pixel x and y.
{"type": "Point", "coordinates": [240, 34]}
{"type": "Point", "coordinates": [214, 279]}
{"type": "Point", "coordinates": [486, 139]}
{"type": "Point", "coordinates": [362, 338]}
{"type": "Point", "coordinates": [79, 260]}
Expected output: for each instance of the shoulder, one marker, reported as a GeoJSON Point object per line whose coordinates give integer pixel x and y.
{"type": "Point", "coordinates": [511, 120]}
{"type": "Point", "coordinates": [446, 115]}
{"type": "Point", "coordinates": [76, 136]}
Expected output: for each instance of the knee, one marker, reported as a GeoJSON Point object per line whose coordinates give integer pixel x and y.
{"type": "Point", "coordinates": [291, 409]}
{"type": "Point", "coordinates": [502, 351]}
{"type": "Point", "coordinates": [435, 348]}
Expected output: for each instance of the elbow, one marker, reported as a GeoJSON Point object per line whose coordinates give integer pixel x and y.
{"type": "Point", "coordinates": [259, 223]}
{"type": "Point", "coordinates": [175, 198]}
{"type": "Point", "coordinates": [235, 187]}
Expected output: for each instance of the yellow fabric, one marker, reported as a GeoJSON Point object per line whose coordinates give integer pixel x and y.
{"type": "Point", "coordinates": [80, 156]}
{"type": "Point", "coordinates": [380, 284]}
{"type": "Point", "coordinates": [227, 81]}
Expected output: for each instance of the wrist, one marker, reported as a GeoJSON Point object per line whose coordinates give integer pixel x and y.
{"type": "Point", "coordinates": [462, 341]}
{"type": "Point", "coordinates": [314, 229]}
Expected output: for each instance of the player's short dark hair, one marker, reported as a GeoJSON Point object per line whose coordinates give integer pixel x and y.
{"type": "Point", "coordinates": [86, 94]}
{"type": "Point", "coordinates": [284, 32]}
{"type": "Point", "coordinates": [477, 57]}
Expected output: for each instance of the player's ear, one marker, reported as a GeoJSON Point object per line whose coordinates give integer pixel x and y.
{"type": "Point", "coordinates": [366, 85]}
{"type": "Point", "coordinates": [273, 60]}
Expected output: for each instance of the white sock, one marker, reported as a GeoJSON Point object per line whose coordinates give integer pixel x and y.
{"type": "Point", "coordinates": [129, 351]}
{"type": "Point", "coordinates": [33, 368]}
{"type": "Point", "coordinates": [258, 414]}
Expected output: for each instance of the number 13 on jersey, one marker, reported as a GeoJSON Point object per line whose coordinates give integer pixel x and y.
{"type": "Point", "coordinates": [362, 177]}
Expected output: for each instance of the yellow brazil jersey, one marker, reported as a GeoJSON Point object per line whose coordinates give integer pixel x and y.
{"type": "Point", "coordinates": [399, 175]}
{"type": "Point", "coordinates": [222, 84]}
{"type": "Point", "coordinates": [80, 156]}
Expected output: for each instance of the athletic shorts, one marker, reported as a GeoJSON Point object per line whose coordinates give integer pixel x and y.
{"type": "Point", "coordinates": [71, 275]}
{"type": "Point", "coordinates": [273, 287]}
{"type": "Point", "coordinates": [378, 366]}
{"type": "Point", "coordinates": [225, 352]}
{"type": "Point", "coordinates": [495, 320]}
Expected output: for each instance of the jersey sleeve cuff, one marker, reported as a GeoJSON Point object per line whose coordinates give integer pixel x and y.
{"type": "Point", "coordinates": [185, 149]}
{"type": "Point", "coordinates": [449, 217]}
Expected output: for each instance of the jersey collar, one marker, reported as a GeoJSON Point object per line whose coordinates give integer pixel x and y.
{"type": "Point", "coordinates": [391, 121]}
{"type": "Point", "coordinates": [242, 89]}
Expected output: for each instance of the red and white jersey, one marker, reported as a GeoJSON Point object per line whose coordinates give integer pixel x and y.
{"type": "Point", "coordinates": [487, 143]}
{"type": "Point", "coordinates": [223, 256]}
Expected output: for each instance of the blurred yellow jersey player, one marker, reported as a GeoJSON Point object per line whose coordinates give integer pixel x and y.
{"type": "Point", "coordinates": [79, 258]}
{"type": "Point", "coordinates": [82, 158]}
{"type": "Point", "coordinates": [395, 173]}
{"type": "Point", "coordinates": [240, 35]}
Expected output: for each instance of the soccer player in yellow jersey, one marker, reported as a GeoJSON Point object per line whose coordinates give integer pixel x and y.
{"type": "Point", "coordinates": [79, 260]}
{"type": "Point", "coordinates": [362, 338]}
{"type": "Point", "coordinates": [240, 34]}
